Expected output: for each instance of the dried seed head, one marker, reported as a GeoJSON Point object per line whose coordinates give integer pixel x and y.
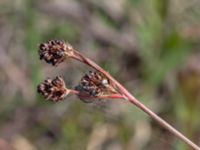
{"type": "Point", "coordinates": [55, 51]}
{"type": "Point", "coordinates": [93, 85]}
{"type": "Point", "coordinates": [54, 90]}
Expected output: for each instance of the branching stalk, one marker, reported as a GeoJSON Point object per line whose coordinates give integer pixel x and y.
{"type": "Point", "coordinates": [128, 96]}
{"type": "Point", "coordinates": [93, 84]}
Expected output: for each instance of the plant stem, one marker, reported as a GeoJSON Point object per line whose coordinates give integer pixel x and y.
{"type": "Point", "coordinates": [128, 96]}
{"type": "Point", "coordinates": [163, 123]}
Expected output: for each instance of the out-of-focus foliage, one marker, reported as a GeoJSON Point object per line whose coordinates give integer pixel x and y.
{"type": "Point", "coordinates": [151, 46]}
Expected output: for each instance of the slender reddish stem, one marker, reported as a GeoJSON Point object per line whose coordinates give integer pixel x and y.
{"type": "Point", "coordinates": [112, 96]}
{"type": "Point", "coordinates": [128, 96]}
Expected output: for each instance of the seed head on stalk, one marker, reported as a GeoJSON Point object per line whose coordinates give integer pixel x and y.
{"type": "Point", "coordinates": [55, 51]}
{"type": "Point", "coordinates": [53, 89]}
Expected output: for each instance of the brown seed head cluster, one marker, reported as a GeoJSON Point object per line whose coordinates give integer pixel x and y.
{"type": "Point", "coordinates": [92, 84]}
{"type": "Point", "coordinates": [54, 90]}
{"type": "Point", "coordinates": [55, 51]}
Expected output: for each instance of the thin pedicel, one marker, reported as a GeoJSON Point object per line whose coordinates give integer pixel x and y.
{"type": "Point", "coordinates": [56, 51]}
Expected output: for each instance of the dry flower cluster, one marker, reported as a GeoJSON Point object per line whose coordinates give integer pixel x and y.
{"type": "Point", "coordinates": [97, 84]}
{"type": "Point", "coordinates": [92, 85]}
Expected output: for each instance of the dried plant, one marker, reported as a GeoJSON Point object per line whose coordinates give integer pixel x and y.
{"type": "Point", "coordinates": [55, 51]}
{"type": "Point", "coordinates": [53, 89]}
{"type": "Point", "coordinates": [97, 84]}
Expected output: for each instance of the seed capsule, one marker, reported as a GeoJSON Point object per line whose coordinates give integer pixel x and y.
{"type": "Point", "coordinates": [54, 90]}
{"type": "Point", "coordinates": [54, 51]}
{"type": "Point", "coordinates": [92, 85]}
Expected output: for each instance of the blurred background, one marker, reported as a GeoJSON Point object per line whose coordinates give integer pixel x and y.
{"type": "Point", "coordinates": [151, 46]}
